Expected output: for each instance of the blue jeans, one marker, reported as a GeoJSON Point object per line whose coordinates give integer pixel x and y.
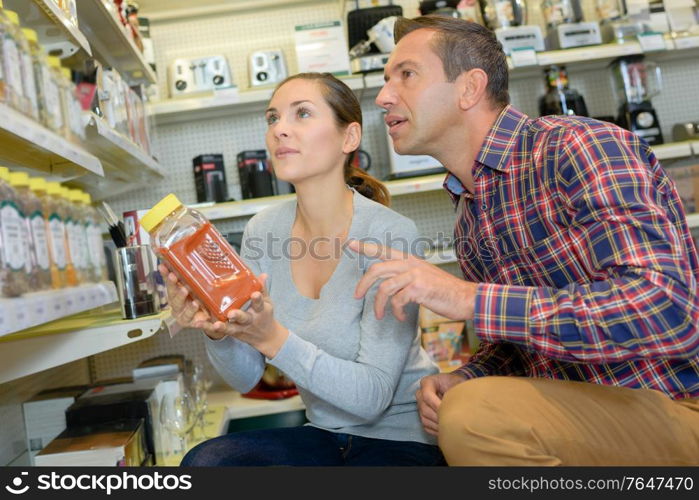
{"type": "Point", "coordinates": [309, 446]}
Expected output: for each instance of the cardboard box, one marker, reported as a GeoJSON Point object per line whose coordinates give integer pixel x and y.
{"type": "Point", "coordinates": [210, 178]}
{"type": "Point", "coordinates": [443, 342]}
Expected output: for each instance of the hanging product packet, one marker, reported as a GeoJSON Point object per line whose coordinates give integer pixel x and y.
{"type": "Point", "coordinates": [200, 257]}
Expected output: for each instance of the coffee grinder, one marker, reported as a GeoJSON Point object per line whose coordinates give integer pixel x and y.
{"type": "Point", "coordinates": [559, 99]}
{"type": "Point", "coordinates": [508, 19]}
{"type": "Point", "coordinates": [636, 82]}
{"type": "Point", "coordinates": [565, 25]}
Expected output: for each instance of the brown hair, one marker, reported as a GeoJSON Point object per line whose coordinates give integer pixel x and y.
{"type": "Point", "coordinates": [346, 109]}
{"type": "Point", "coordinates": [464, 45]}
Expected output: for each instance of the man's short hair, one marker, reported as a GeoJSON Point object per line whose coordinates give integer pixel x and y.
{"type": "Point", "coordinates": [462, 46]}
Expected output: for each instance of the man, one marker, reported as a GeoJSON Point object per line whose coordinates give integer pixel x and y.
{"type": "Point", "coordinates": [580, 270]}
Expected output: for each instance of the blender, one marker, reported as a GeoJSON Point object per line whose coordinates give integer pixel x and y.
{"type": "Point", "coordinates": [623, 20]}
{"type": "Point", "coordinates": [636, 82]}
{"type": "Point", "coordinates": [508, 19]}
{"type": "Point", "coordinates": [559, 99]}
{"type": "Point", "coordinates": [565, 26]}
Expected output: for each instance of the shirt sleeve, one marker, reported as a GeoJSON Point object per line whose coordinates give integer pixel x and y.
{"type": "Point", "coordinates": [238, 363]}
{"type": "Point", "coordinates": [499, 359]}
{"type": "Point", "coordinates": [364, 387]}
{"type": "Point", "coordinates": [641, 301]}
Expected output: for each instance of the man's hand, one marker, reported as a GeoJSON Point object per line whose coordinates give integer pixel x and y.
{"type": "Point", "coordinates": [429, 398]}
{"type": "Point", "coordinates": [411, 279]}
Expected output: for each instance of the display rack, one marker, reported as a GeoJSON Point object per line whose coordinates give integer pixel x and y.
{"type": "Point", "coordinates": [126, 165]}
{"type": "Point", "coordinates": [597, 56]}
{"type": "Point", "coordinates": [110, 43]}
{"type": "Point", "coordinates": [28, 144]}
{"type": "Point", "coordinates": [53, 344]}
{"type": "Point", "coordinates": [36, 308]}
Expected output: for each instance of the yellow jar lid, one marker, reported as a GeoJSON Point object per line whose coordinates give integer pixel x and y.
{"type": "Point", "coordinates": [65, 192]}
{"type": "Point", "coordinates": [53, 188]}
{"type": "Point", "coordinates": [65, 72]}
{"type": "Point", "coordinates": [87, 199]}
{"type": "Point", "coordinates": [37, 184]}
{"type": "Point", "coordinates": [12, 16]}
{"type": "Point", "coordinates": [19, 179]}
{"type": "Point", "coordinates": [161, 210]}
{"type": "Point", "coordinates": [30, 35]}
{"type": "Point", "coordinates": [5, 174]}
{"type": "Point", "coordinates": [54, 62]}
{"type": "Point", "coordinates": [75, 195]}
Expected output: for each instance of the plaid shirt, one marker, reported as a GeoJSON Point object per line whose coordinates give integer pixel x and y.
{"type": "Point", "coordinates": [586, 266]}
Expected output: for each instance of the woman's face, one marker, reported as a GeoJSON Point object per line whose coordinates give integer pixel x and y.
{"type": "Point", "coordinates": [302, 135]}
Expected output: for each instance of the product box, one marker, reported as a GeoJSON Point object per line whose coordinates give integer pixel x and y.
{"type": "Point", "coordinates": [45, 418]}
{"type": "Point", "coordinates": [210, 178]}
{"type": "Point", "coordinates": [443, 342]}
{"type": "Point", "coordinates": [256, 179]}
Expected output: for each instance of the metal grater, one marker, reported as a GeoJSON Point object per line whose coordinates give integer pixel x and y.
{"type": "Point", "coordinates": [211, 253]}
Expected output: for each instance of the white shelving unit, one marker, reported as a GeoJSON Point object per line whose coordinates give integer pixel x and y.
{"type": "Point", "coordinates": [36, 308]}
{"type": "Point", "coordinates": [54, 344]}
{"type": "Point", "coordinates": [126, 165]}
{"type": "Point", "coordinates": [29, 144]}
{"type": "Point", "coordinates": [239, 407]}
{"type": "Point", "coordinates": [110, 43]}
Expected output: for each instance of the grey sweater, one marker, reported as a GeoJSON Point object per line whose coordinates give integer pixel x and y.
{"type": "Point", "coordinates": [355, 374]}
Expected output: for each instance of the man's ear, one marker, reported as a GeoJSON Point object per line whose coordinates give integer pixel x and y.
{"type": "Point", "coordinates": [472, 86]}
{"type": "Point", "coordinates": [353, 136]}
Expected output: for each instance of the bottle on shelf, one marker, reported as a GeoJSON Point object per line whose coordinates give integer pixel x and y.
{"type": "Point", "coordinates": [38, 221]}
{"type": "Point", "coordinates": [195, 251]}
{"type": "Point", "coordinates": [38, 65]}
{"type": "Point", "coordinates": [53, 111]}
{"type": "Point", "coordinates": [25, 203]}
{"type": "Point", "coordinates": [27, 67]}
{"type": "Point", "coordinates": [75, 110]}
{"type": "Point", "coordinates": [81, 258]}
{"type": "Point", "coordinates": [58, 245]}
{"type": "Point", "coordinates": [72, 244]}
{"type": "Point", "coordinates": [95, 242]}
{"type": "Point", "coordinates": [14, 277]}
{"type": "Point", "coordinates": [63, 108]}
{"type": "Point", "coordinates": [11, 57]}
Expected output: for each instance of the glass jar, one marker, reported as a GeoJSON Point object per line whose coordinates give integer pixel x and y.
{"type": "Point", "coordinates": [38, 221]}
{"type": "Point", "coordinates": [72, 245]}
{"type": "Point", "coordinates": [197, 253]}
{"type": "Point", "coordinates": [62, 109]}
{"type": "Point", "coordinates": [94, 240]}
{"type": "Point", "coordinates": [20, 182]}
{"type": "Point", "coordinates": [81, 259]}
{"type": "Point", "coordinates": [15, 278]}
{"type": "Point", "coordinates": [58, 246]}
{"type": "Point", "coordinates": [37, 61]}
{"type": "Point", "coordinates": [53, 112]}
{"type": "Point", "coordinates": [11, 35]}
{"type": "Point", "coordinates": [75, 110]}
{"type": "Point", "coordinates": [28, 78]}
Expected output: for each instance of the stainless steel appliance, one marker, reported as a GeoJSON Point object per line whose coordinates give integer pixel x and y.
{"type": "Point", "coordinates": [559, 98]}
{"type": "Point", "coordinates": [636, 82]}
{"type": "Point", "coordinates": [193, 76]}
{"type": "Point", "coordinates": [267, 67]}
{"type": "Point", "coordinates": [508, 19]}
{"type": "Point", "coordinates": [565, 26]}
{"type": "Point", "coordinates": [621, 21]}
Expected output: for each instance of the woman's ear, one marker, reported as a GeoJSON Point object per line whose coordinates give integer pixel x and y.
{"type": "Point", "coordinates": [353, 137]}
{"type": "Point", "coordinates": [473, 84]}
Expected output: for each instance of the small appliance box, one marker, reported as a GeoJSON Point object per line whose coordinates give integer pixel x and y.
{"type": "Point", "coordinates": [256, 179]}
{"type": "Point", "coordinates": [210, 178]}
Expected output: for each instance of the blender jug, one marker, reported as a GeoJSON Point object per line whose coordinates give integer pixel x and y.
{"type": "Point", "coordinates": [503, 13]}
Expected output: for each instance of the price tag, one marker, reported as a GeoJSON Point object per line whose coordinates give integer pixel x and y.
{"type": "Point", "coordinates": [229, 95]}
{"type": "Point", "coordinates": [651, 42]}
{"type": "Point", "coordinates": [525, 56]}
{"type": "Point", "coordinates": [686, 42]}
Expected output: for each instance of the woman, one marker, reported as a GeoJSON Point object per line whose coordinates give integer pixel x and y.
{"type": "Point", "coordinates": [357, 375]}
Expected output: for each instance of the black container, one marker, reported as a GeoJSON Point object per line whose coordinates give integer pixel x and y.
{"type": "Point", "coordinates": [210, 178]}
{"type": "Point", "coordinates": [256, 178]}
{"type": "Point", "coordinates": [559, 99]}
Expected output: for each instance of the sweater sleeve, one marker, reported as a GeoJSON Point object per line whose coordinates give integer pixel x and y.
{"type": "Point", "coordinates": [238, 363]}
{"type": "Point", "coordinates": [364, 387]}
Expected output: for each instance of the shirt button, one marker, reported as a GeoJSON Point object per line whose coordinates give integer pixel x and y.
{"type": "Point", "coordinates": [484, 206]}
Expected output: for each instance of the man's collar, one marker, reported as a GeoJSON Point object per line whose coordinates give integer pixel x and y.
{"type": "Point", "coordinates": [496, 149]}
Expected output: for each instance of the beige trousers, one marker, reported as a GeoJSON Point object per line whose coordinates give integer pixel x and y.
{"type": "Point", "coordinates": [524, 421]}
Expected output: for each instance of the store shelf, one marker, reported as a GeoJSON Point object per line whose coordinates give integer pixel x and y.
{"type": "Point", "coordinates": [126, 165]}
{"type": "Point", "coordinates": [110, 43]}
{"type": "Point", "coordinates": [238, 406]}
{"type": "Point", "coordinates": [26, 143]}
{"type": "Point", "coordinates": [693, 221]}
{"type": "Point", "coordinates": [37, 308]}
{"type": "Point", "coordinates": [60, 342]}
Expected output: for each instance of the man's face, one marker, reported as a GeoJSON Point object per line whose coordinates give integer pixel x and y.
{"type": "Point", "coordinates": [420, 104]}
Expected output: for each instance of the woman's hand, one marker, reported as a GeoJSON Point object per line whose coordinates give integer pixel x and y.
{"type": "Point", "coordinates": [185, 310]}
{"type": "Point", "coordinates": [256, 326]}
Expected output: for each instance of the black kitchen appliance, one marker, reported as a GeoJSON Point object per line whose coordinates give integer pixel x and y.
{"type": "Point", "coordinates": [256, 180]}
{"type": "Point", "coordinates": [210, 178]}
{"type": "Point", "coordinates": [559, 99]}
{"type": "Point", "coordinates": [636, 82]}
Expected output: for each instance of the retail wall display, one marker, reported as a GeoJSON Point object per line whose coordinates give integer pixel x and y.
{"type": "Point", "coordinates": [210, 178]}
{"type": "Point", "coordinates": [566, 27]}
{"type": "Point", "coordinates": [321, 47]}
{"type": "Point", "coordinates": [623, 21]}
{"type": "Point", "coordinates": [199, 75]}
{"type": "Point", "coordinates": [267, 67]}
{"type": "Point", "coordinates": [509, 20]}
{"type": "Point", "coordinates": [637, 81]}
{"type": "Point", "coordinates": [559, 98]}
